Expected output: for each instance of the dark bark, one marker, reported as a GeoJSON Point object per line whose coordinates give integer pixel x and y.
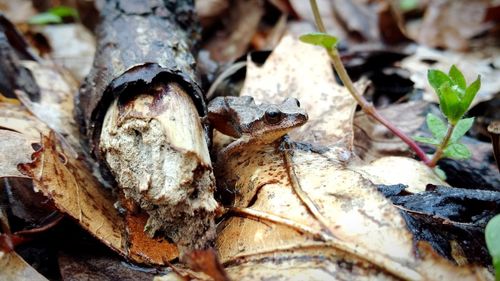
{"type": "Point", "coordinates": [139, 42]}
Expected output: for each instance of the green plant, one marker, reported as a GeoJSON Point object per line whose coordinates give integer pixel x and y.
{"type": "Point", "coordinates": [492, 235]}
{"type": "Point", "coordinates": [454, 97]}
{"type": "Point", "coordinates": [54, 15]}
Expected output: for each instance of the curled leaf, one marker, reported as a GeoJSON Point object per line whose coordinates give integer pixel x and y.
{"type": "Point", "coordinates": [320, 39]}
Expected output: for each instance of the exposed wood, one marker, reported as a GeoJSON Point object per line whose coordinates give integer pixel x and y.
{"type": "Point", "coordinates": [154, 145]}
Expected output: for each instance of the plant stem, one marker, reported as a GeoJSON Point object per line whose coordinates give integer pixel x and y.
{"type": "Point", "coordinates": [366, 106]}
{"type": "Point", "coordinates": [441, 147]}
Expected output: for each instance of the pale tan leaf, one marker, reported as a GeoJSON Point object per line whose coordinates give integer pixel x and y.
{"type": "Point", "coordinates": [55, 106]}
{"type": "Point", "coordinates": [72, 46]}
{"type": "Point", "coordinates": [14, 268]}
{"type": "Point", "coordinates": [14, 149]}
{"type": "Point", "coordinates": [302, 71]}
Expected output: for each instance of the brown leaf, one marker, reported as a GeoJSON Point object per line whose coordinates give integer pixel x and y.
{"type": "Point", "coordinates": [450, 24]}
{"type": "Point", "coordinates": [82, 196]}
{"type": "Point", "coordinates": [240, 23]}
{"type": "Point", "coordinates": [206, 261]}
{"type": "Point", "coordinates": [69, 183]}
{"type": "Point", "coordinates": [373, 140]}
{"type": "Point", "coordinates": [76, 192]}
{"type": "Point", "coordinates": [13, 267]}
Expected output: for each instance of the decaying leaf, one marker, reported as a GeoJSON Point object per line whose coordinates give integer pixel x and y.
{"type": "Point", "coordinates": [372, 140]}
{"type": "Point", "coordinates": [55, 105]}
{"type": "Point", "coordinates": [71, 45]}
{"type": "Point", "coordinates": [14, 268]}
{"type": "Point", "coordinates": [450, 24]}
{"type": "Point", "coordinates": [76, 192]}
{"type": "Point", "coordinates": [58, 174]}
{"type": "Point", "coordinates": [241, 23]}
{"type": "Point", "coordinates": [301, 211]}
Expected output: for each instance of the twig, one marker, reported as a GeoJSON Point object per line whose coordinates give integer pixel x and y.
{"type": "Point", "coordinates": [259, 215]}
{"type": "Point", "coordinates": [306, 200]}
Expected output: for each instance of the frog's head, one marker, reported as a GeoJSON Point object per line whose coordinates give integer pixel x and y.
{"type": "Point", "coordinates": [276, 120]}
{"type": "Point", "coordinates": [240, 116]}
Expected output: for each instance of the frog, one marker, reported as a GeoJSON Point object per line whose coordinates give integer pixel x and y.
{"type": "Point", "coordinates": [254, 127]}
{"type": "Point", "coordinates": [251, 124]}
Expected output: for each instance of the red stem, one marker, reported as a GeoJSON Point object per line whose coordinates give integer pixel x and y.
{"type": "Point", "coordinates": [396, 131]}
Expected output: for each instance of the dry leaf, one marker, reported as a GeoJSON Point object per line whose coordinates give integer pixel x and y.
{"type": "Point", "coordinates": [240, 23]}
{"type": "Point", "coordinates": [55, 106]}
{"type": "Point", "coordinates": [65, 179]}
{"type": "Point", "coordinates": [15, 149]}
{"type": "Point", "coordinates": [303, 213]}
{"type": "Point", "coordinates": [450, 24]}
{"type": "Point", "coordinates": [14, 268]}
{"type": "Point", "coordinates": [71, 45]}
{"type": "Point", "coordinates": [372, 140]}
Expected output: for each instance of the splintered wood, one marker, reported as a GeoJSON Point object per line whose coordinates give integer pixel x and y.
{"type": "Point", "coordinates": [155, 146]}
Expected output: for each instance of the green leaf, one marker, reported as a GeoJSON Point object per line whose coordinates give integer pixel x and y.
{"type": "Point", "coordinates": [45, 18]}
{"type": "Point", "coordinates": [54, 15]}
{"type": "Point", "coordinates": [441, 174]}
{"type": "Point", "coordinates": [470, 93]}
{"type": "Point", "coordinates": [408, 5]}
{"type": "Point", "coordinates": [63, 11]}
{"type": "Point", "coordinates": [492, 235]}
{"type": "Point", "coordinates": [461, 128]}
{"type": "Point", "coordinates": [437, 78]}
{"type": "Point", "coordinates": [457, 77]}
{"type": "Point", "coordinates": [437, 126]}
{"type": "Point", "coordinates": [457, 151]}
{"type": "Point", "coordinates": [320, 39]}
{"type": "Point", "coordinates": [450, 104]}
{"type": "Point", "coordinates": [426, 140]}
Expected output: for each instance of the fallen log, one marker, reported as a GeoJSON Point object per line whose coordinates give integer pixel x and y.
{"type": "Point", "coordinates": [140, 110]}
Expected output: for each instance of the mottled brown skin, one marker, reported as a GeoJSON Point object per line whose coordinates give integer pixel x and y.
{"type": "Point", "coordinates": [253, 124]}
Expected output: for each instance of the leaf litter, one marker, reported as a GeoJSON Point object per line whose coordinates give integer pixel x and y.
{"type": "Point", "coordinates": [305, 210]}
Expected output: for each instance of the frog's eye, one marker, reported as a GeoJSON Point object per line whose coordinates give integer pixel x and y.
{"type": "Point", "coordinates": [273, 116]}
